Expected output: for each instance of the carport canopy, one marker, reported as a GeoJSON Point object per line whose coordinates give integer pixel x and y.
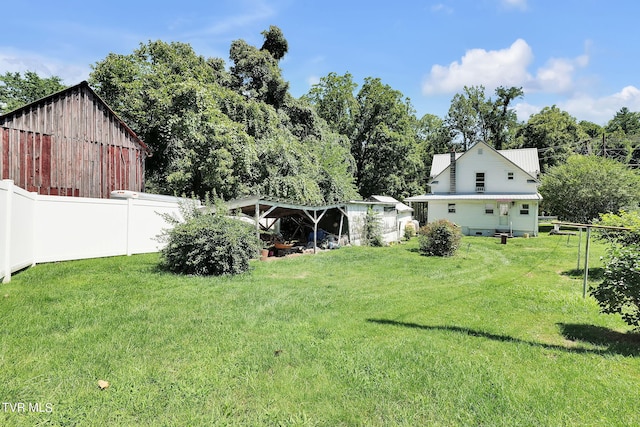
{"type": "Point", "coordinates": [260, 207]}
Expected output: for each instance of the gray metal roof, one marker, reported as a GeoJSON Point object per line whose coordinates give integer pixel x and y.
{"type": "Point", "coordinates": [440, 163]}
{"type": "Point", "coordinates": [524, 158]}
{"type": "Point", "coordinates": [400, 207]}
{"type": "Point", "coordinates": [474, 196]}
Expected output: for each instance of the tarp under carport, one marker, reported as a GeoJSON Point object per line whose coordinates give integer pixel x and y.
{"type": "Point", "coordinates": [260, 208]}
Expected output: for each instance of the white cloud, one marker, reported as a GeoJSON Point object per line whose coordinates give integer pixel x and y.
{"type": "Point", "coordinates": [525, 110]}
{"type": "Point", "coordinates": [515, 4]}
{"type": "Point", "coordinates": [441, 8]}
{"type": "Point", "coordinates": [313, 80]}
{"type": "Point", "coordinates": [256, 11]}
{"type": "Point", "coordinates": [505, 67]}
{"type": "Point", "coordinates": [601, 110]}
{"type": "Point", "coordinates": [585, 107]}
{"type": "Point", "coordinates": [557, 75]}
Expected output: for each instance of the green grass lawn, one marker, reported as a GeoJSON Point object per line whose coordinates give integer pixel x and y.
{"type": "Point", "coordinates": [498, 335]}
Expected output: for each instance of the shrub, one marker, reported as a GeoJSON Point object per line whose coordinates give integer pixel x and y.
{"type": "Point", "coordinates": [627, 219]}
{"type": "Point", "coordinates": [208, 244]}
{"type": "Point", "coordinates": [619, 292]}
{"type": "Point", "coordinates": [439, 238]}
{"type": "Point", "coordinates": [372, 229]}
{"type": "Point", "coordinates": [409, 231]}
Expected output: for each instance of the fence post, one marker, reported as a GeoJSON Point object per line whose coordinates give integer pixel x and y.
{"type": "Point", "coordinates": [129, 224]}
{"type": "Point", "coordinates": [34, 212]}
{"type": "Point", "coordinates": [7, 227]}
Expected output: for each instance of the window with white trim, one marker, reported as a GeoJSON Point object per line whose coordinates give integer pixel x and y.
{"type": "Point", "coordinates": [524, 209]}
{"type": "Point", "coordinates": [510, 176]}
{"type": "Point", "coordinates": [479, 182]}
{"type": "Point", "coordinates": [452, 208]}
{"type": "Point", "coordinates": [488, 208]}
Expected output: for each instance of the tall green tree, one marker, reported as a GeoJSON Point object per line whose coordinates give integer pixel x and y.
{"type": "Point", "coordinates": [255, 72]}
{"type": "Point", "coordinates": [433, 137]}
{"type": "Point", "coordinates": [594, 132]}
{"type": "Point", "coordinates": [384, 145]}
{"type": "Point", "coordinates": [462, 121]}
{"type": "Point", "coordinates": [555, 134]}
{"type": "Point", "coordinates": [583, 187]}
{"type": "Point", "coordinates": [473, 117]}
{"type": "Point", "coordinates": [17, 90]}
{"type": "Point", "coordinates": [142, 88]}
{"type": "Point", "coordinates": [626, 121]}
{"type": "Point", "coordinates": [334, 100]}
{"type": "Point", "coordinates": [622, 139]}
{"type": "Point", "coordinates": [503, 121]}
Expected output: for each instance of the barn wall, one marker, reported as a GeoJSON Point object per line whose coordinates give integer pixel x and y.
{"type": "Point", "coordinates": [70, 145]}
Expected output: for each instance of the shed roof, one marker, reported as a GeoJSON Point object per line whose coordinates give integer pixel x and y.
{"type": "Point", "coordinates": [278, 208]}
{"type": "Point", "coordinates": [400, 207]}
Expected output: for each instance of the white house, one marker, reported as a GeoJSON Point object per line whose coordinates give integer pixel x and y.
{"type": "Point", "coordinates": [485, 191]}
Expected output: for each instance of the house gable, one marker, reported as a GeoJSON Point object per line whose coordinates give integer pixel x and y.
{"type": "Point", "coordinates": [482, 169]}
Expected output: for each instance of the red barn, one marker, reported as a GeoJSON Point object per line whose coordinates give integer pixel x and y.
{"type": "Point", "coordinates": [71, 144]}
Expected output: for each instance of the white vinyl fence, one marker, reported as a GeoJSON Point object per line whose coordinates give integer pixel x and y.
{"type": "Point", "coordinates": [36, 228]}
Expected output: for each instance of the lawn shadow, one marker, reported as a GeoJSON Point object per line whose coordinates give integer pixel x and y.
{"type": "Point", "coordinates": [631, 347]}
{"type": "Point", "coordinates": [596, 273]}
{"type": "Point", "coordinates": [627, 344]}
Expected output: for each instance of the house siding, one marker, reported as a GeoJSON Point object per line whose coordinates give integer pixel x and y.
{"type": "Point", "coordinates": [495, 168]}
{"type": "Point", "coordinates": [471, 216]}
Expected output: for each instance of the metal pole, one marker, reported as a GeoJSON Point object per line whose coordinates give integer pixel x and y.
{"type": "Point", "coordinates": [586, 264]}
{"type": "Point", "coordinates": [579, 248]}
{"type": "Point", "coordinates": [315, 231]}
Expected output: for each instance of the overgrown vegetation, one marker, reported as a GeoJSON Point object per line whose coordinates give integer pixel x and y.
{"type": "Point", "coordinates": [439, 238]}
{"type": "Point", "coordinates": [207, 243]}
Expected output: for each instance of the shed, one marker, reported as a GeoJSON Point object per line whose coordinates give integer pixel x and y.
{"type": "Point", "coordinates": [344, 219]}
{"type": "Point", "coordinates": [71, 143]}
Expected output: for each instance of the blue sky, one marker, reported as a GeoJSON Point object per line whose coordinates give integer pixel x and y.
{"type": "Point", "coordinates": [581, 55]}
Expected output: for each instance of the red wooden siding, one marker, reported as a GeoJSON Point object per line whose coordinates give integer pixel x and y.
{"type": "Point", "coordinates": [70, 144]}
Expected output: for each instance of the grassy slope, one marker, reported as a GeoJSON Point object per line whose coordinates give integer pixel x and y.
{"type": "Point", "coordinates": [497, 335]}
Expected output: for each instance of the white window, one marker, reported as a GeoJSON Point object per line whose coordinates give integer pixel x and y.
{"type": "Point", "coordinates": [488, 208]}
{"type": "Point", "coordinates": [452, 208]}
{"type": "Point", "coordinates": [479, 182]}
{"type": "Point", "coordinates": [510, 176]}
{"type": "Point", "coordinates": [524, 210]}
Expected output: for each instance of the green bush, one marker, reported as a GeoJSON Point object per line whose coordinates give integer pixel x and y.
{"type": "Point", "coordinates": [208, 244]}
{"type": "Point", "coordinates": [439, 238]}
{"type": "Point", "coordinates": [627, 219]}
{"type": "Point", "coordinates": [619, 292]}
{"type": "Point", "coordinates": [409, 231]}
